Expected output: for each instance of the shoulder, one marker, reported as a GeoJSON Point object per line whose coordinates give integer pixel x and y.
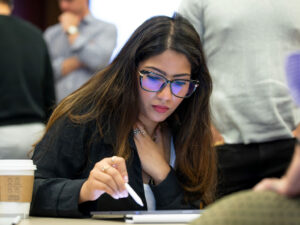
{"type": "Point", "coordinates": [65, 136]}
{"type": "Point", "coordinates": [23, 26]}
{"type": "Point", "coordinates": [67, 127]}
{"type": "Point", "coordinates": [190, 5]}
{"type": "Point", "coordinates": [25, 33]}
{"type": "Point", "coordinates": [100, 24]}
{"type": "Point", "coordinates": [53, 30]}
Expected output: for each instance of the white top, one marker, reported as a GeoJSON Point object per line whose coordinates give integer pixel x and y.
{"type": "Point", "coordinates": [246, 43]}
{"type": "Point", "coordinates": [151, 204]}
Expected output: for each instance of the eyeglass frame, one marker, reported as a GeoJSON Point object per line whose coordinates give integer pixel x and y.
{"type": "Point", "coordinates": [167, 81]}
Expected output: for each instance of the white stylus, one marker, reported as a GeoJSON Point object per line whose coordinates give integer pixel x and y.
{"type": "Point", "coordinates": [134, 195]}
{"type": "Point", "coordinates": [16, 220]}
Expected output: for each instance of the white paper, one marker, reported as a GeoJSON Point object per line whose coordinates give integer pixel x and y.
{"type": "Point", "coordinates": [161, 218]}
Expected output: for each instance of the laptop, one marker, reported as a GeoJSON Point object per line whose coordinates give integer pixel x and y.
{"type": "Point", "coordinates": [155, 216]}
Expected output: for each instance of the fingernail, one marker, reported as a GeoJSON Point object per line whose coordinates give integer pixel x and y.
{"type": "Point", "coordinates": [120, 194]}
{"type": "Point", "coordinates": [125, 193]}
{"type": "Point", "coordinates": [115, 196]}
{"type": "Point", "coordinates": [125, 179]}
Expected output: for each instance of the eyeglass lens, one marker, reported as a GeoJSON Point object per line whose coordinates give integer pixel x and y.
{"type": "Point", "coordinates": [180, 88]}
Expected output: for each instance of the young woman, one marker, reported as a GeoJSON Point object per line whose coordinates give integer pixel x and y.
{"type": "Point", "coordinates": [145, 120]}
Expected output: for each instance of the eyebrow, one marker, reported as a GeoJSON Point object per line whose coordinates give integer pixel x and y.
{"type": "Point", "coordinates": [165, 74]}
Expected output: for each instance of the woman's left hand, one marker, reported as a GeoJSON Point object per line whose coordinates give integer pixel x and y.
{"type": "Point", "coordinates": [152, 153]}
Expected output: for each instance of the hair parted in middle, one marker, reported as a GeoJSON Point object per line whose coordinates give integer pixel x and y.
{"type": "Point", "coordinates": [111, 98]}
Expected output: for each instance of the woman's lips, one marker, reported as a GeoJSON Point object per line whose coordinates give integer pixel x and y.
{"type": "Point", "coordinates": [160, 109]}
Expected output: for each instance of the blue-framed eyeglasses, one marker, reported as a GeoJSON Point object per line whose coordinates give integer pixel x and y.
{"type": "Point", "coordinates": [153, 82]}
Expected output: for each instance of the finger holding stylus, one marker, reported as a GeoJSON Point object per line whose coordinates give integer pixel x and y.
{"type": "Point", "coordinates": [108, 176]}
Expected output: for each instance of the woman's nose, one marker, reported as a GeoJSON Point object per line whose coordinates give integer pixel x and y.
{"type": "Point", "coordinates": [165, 93]}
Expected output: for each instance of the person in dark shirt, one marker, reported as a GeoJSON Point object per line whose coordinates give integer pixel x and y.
{"type": "Point", "coordinates": [144, 119]}
{"type": "Point", "coordinates": [26, 85]}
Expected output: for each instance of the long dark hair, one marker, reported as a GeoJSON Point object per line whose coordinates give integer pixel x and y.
{"type": "Point", "coordinates": [109, 98]}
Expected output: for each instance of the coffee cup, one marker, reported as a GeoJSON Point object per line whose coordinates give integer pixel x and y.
{"type": "Point", "coordinates": [16, 186]}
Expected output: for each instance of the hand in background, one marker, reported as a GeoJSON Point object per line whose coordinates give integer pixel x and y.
{"type": "Point", "coordinates": [217, 137]}
{"type": "Point", "coordinates": [69, 65]}
{"type": "Point", "coordinates": [108, 176]}
{"type": "Point", "coordinates": [296, 132]}
{"type": "Point", "coordinates": [68, 19]}
{"type": "Point", "coordinates": [289, 184]}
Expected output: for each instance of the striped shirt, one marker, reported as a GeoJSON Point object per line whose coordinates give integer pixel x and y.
{"type": "Point", "coordinates": [93, 47]}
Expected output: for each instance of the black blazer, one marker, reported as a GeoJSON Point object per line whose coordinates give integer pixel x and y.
{"type": "Point", "coordinates": [64, 159]}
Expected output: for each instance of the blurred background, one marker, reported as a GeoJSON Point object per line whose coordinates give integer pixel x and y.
{"type": "Point", "coordinates": [125, 14]}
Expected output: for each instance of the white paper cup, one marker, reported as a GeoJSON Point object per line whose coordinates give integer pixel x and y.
{"type": "Point", "coordinates": [16, 185]}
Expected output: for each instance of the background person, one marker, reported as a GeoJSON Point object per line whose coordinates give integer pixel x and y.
{"type": "Point", "coordinates": [26, 85]}
{"type": "Point", "coordinates": [163, 144]}
{"type": "Point", "coordinates": [79, 45]}
{"type": "Point", "coordinates": [289, 184]}
{"type": "Point", "coordinates": [273, 201]}
{"type": "Point", "coordinates": [245, 44]}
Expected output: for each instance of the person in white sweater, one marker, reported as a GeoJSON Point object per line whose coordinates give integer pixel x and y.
{"type": "Point", "coordinates": [255, 119]}
{"type": "Point", "coordinates": [289, 184]}
{"type": "Point", "coordinates": [274, 200]}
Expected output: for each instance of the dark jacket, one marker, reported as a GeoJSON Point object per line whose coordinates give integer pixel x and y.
{"type": "Point", "coordinates": [64, 159]}
{"type": "Point", "coordinates": [26, 77]}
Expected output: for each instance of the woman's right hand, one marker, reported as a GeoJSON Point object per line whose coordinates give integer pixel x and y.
{"type": "Point", "coordinates": [108, 176]}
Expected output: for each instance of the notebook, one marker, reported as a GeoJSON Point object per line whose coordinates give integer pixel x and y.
{"type": "Point", "coordinates": [156, 216]}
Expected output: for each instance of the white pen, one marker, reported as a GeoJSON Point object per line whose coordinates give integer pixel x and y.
{"type": "Point", "coordinates": [134, 195]}
{"type": "Point", "coordinates": [16, 220]}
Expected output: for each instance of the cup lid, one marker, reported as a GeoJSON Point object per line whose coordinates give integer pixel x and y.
{"type": "Point", "coordinates": [17, 164]}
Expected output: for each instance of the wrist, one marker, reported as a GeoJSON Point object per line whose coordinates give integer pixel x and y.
{"type": "Point", "coordinates": [161, 176]}
{"type": "Point", "coordinates": [84, 194]}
